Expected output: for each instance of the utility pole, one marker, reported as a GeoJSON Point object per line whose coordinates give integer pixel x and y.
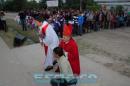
{"type": "Point", "coordinates": [1, 3]}
{"type": "Point", "coordinates": [81, 5]}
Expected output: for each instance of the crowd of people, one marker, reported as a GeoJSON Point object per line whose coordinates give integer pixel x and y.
{"type": "Point", "coordinates": [86, 21]}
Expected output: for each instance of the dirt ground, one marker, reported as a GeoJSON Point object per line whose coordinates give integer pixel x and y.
{"type": "Point", "coordinates": [110, 48]}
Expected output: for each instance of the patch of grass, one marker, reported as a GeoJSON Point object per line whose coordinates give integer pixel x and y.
{"type": "Point", "coordinates": [13, 29]}
{"type": "Point", "coordinates": [30, 33]}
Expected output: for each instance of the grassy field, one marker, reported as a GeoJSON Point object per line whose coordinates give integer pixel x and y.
{"type": "Point", "coordinates": [13, 29]}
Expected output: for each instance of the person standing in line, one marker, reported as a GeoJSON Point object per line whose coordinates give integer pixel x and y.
{"type": "Point", "coordinates": [22, 16]}
{"type": "Point", "coordinates": [80, 24]}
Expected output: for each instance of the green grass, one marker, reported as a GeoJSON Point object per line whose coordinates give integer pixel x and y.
{"type": "Point", "coordinates": [13, 29]}
{"type": "Point", "coordinates": [30, 33]}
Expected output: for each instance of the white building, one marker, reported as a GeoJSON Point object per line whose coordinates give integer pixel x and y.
{"type": "Point", "coordinates": [109, 3]}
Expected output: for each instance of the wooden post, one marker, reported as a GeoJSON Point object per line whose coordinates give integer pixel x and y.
{"type": "Point", "coordinates": [81, 5]}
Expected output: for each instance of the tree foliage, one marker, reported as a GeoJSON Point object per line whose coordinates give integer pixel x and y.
{"type": "Point", "coordinates": [42, 4]}
{"type": "Point", "coordinates": [119, 9]}
{"type": "Point", "coordinates": [1, 4]}
{"type": "Point", "coordinates": [86, 4]}
{"type": "Point", "coordinates": [17, 5]}
{"type": "Point", "coordinates": [32, 5]}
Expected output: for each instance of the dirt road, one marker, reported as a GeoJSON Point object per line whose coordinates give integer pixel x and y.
{"type": "Point", "coordinates": [109, 47]}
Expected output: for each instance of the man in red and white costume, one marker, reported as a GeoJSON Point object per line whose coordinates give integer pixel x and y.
{"type": "Point", "coordinates": [49, 41]}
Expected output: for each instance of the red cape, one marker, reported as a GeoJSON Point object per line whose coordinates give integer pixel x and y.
{"type": "Point", "coordinates": [73, 56]}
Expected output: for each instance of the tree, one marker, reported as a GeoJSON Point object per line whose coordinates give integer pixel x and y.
{"type": "Point", "coordinates": [43, 4]}
{"type": "Point", "coordinates": [1, 4]}
{"type": "Point", "coordinates": [32, 5]}
{"type": "Point", "coordinates": [89, 4]}
{"type": "Point", "coordinates": [15, 5]}
{"type": "Point", "coordinates": [119, 9]}
{"type": "Point", "coordinates": [60, 4]}
{"type": "Point", "coordinates": [19, 5]}
{"type": "Point", "coordinates": [72, 4]}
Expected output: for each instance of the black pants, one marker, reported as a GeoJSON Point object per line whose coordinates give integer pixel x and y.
{"type": "Point", "coordinates": [90, 26]}
{"type": "Point", "coordinates": [58, 82]}
{"type": "Point", "coordinates": [95, 26]}
{"type": "Point", "coordinates": [128, 22]}
{"type": "Point", "coordinates": [75, 29]}
{"type": "Point", "coordinates": [63, 82]}
{"type": "Point", "coordinates": [3, 25]}
{"type": "Point", "coordinates": [105, 24]}
{"type": "Point", "coordinates": [23, 23]}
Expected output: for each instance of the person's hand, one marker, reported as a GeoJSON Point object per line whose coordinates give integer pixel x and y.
{"type": "Point", "coordinates": [41, 35]}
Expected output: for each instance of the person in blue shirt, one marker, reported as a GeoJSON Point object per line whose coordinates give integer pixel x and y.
{"type": "Point", "coordinates": [80, 24]}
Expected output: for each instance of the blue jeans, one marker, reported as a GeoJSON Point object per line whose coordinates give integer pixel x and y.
{"type": "Point", "coordinates": [80, 29]}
